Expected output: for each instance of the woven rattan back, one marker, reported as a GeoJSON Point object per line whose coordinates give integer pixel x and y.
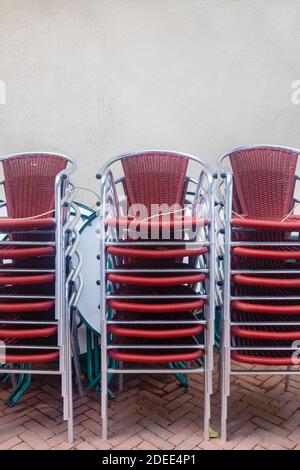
{"type": "Point", "coordinates": [264, 181]}
{"type": "Point", "coordinates": [155, 178]}
{"type": "Point", "coordinates": [29, 183]}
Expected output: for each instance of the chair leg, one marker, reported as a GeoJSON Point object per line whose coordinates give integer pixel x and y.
{"type": "Point", "coordinates": [97, 354]}
{"type": "Point", "coordinates": [225, 391]}
{"type": "Point", "coordinates": [224, 405]}
{"type": "Point", "coordinates": [219, 372]}
{"type": "Point", "coordinates": [14, 380]}
{"type": "Point", "coordinates": [77, 370]}
{"type": "Point", "coordinates": [21, 388]}
{"type": "Point", "coordinates": [206, 401]}
{"type": "Point", "coordinates": [188, 376]}
{"type": "Point", "coordinates": [70, 416]}
{"type": "Point", "coordinates": [75, 353]}
{"type": "Point", "coordinates": [70, 393]}
{"type": "Point", "coordinates": [121, 378]}
{"type": "Point", "coordinates": [104, 404]}
{"type": "Point", "coordinates": [104, 385]}
{"type": "Point", "coordinates": [14, 396]}
{"type": "Point", "coordinates": [287, 381]}
{"type": "Point", "coordinates": [89, 359]}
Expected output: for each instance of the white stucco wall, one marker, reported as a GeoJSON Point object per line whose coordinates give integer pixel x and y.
{"type": "Point", "coordinates": [92, 78]}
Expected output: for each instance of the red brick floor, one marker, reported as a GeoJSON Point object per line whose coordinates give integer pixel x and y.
{"type": "Point", "coordinates": [154, 412]}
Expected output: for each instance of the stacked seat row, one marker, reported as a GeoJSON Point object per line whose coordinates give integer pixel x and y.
{"type": "Point", "coordinates": [156, 269]}
{"type": "Point", "coordinates": [157, 264]}
{"type": "Point", "coordinates": [259, 256]}
{"type": "Point", "coordinates": [37, 240]}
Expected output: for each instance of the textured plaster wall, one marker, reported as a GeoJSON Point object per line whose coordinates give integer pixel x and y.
{"type": "Point", "coordinates": [92, 78]}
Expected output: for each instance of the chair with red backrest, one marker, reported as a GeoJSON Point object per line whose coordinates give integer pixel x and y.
{"type": "Point", "coordinates": [260, 253]}
{"type": "Point", "coordinates": [35, 293]}
{"type": "Point", "coordinates": [158, 244]}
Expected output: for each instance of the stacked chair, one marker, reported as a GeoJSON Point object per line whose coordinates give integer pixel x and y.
{"type": "Point", "coordinates": [39, 282]}
{"type": "Point", "coordinates": [156, 269]}
{"type": "Point", "coordinates": [258, 271]}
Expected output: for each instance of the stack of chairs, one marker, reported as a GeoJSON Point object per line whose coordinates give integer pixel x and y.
{"type": "Point", "coordinates": [156, 269]}
{"type": "Point", "coordinates": [38, 283]}
{"type": "Point", "coordinates": [260, 256]}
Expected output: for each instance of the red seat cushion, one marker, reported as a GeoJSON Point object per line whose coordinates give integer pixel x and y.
{"type": "Point", "coordinates": [266, 281]}
{"type": "Point", "coordinates": [156, 254]}
{"type": "Point", "coordinates": [7, 224]}
{"type": "Point", "coordinates": [267, 254]}
{"type": "Point", "coordinates": [172, 223]}
{"type": "Point", "coordinates": [155, 333]}
{"type": "Point", "coordinates": [21, 253]}
{"type": "Point", "coordinates": [290, 225]}
{"type": "Point", "coordinates": [267, 335]}
{"type": "Point", "coordinates": [29, 358]}
{"type": "Point", "coordinates": [156, 281]}
{"type": "Point", "coordinates": [156, 307]}
{"type": "Point", "coordinates": [162, 358]}
{"type": "Point", "coordinates": [26, 280]}
{"type": "Point", "coordinates": [28, 333]}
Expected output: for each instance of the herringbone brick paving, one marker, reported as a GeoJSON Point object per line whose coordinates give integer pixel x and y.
{"type": "Point", "coordinates": [155, 412]}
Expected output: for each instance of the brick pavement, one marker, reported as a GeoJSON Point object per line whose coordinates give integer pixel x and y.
{"type": "Point", "coordinates": [154, 412]}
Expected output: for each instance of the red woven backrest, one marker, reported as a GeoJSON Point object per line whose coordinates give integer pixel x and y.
{"type": "Point", "coordinates": [155, 178]}
{"type": "Point", "coordinates": [264, 182]}
{"type": "Point", "coordinates": [29, 183]}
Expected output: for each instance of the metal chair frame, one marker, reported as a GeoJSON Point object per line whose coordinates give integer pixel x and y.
{"type": "Point", "coordinates": [224, 271]}
{"type": "Point", "coordinates": [68, 283]}
{"type": "Point", "coordinates": [204, 237]}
